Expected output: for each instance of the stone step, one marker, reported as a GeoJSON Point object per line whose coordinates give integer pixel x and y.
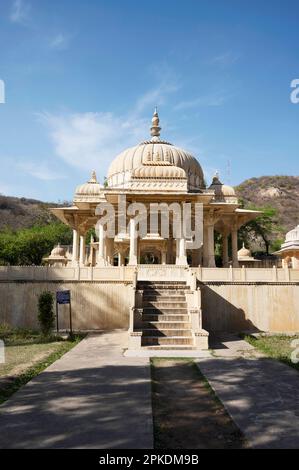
{"type": "Point", "coordinates": [164, 294]}
{"type": "Point", "coordinates": [165, 310]}
{"type": "Point", "coordinates": [162, 283]}
{"type": "Point", "coordinates": [160, 317]}
{"type": "Point", "coordinates": [160, 325]}
{"type": "Point", "coordinates": [166, 340]}
{"type": "Point", "coordinates": [163, 288]}
{"type": "Point", "coordinates": [164, 304]}
{"type": "Point", "coordinates": [169, 332]}
{"type": "Point", "coordinates": [164, 298]}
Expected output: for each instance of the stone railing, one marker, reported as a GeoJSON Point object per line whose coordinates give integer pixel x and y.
{"type": "Point", "coordinates": [243, 274]}
{"type": "Point", "coordinates": [47, 273]}
{"type": "Point", "coordinates": [148, 272]}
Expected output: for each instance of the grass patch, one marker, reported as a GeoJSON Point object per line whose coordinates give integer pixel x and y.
{"type": "Point", "coordinates": [276, 346]}
{"type": "Point", "coordinates": [27, 353]}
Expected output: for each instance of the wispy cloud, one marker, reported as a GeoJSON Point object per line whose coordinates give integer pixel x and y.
{"type": "Point", "coordinates": [60, 41]}
{"type": "Point", "coordinates": [20, 11]}
{"type": "Point", "coordinates": [92, 139]}
{"type": "Point", "coordinates": [215, 99]}
{"type": "Point", "coordinates": [41, 171]}
{"type": "Point", "coordinates": [224, 59]}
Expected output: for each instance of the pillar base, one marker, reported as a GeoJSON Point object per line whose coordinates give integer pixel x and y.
{"type": "Point", "coordinates": [201, 339]}
{"type": "Point", "coordinates": [101, 263]}
{"type": "Point", "coordinates": [182, 261]}
{"type": "Point", "coordinates": [133, 261]}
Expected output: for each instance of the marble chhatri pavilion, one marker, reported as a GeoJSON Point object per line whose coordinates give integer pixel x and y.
{"type": "Point", "coordinates": [289, 251]}
{"type": "Point", "coordinates": [154, 171]}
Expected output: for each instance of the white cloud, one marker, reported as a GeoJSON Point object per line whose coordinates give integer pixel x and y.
{"type": "Point", "coordinates": [157, 95]}
{"type": "Point", "coordinates": [41, 171]}
{"type": "Point", "coordinates": [215, 99]}
{"type": "Point", "coordinates": [225, 59]}
{"type": "Point", "coordinates": [60, 41]}
{"type": "Point", "coordinates": [20, 12]}
{"type": "Point", "coordinates": [91, 140]}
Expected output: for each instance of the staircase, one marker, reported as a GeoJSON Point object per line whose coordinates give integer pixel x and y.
{"type": "Point", "coordinates": [164, 319]}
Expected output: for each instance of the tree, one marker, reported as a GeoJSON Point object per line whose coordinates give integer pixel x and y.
{"type": "Point", "coordinates": [29, 246]}
{"type": "Point", "coordinates": [262, 227]}
{"type": "Point", "coordinates": [46, 315]}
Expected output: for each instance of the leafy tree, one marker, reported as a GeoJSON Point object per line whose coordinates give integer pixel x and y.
{"type": "Point", "coordinates": [262, 227]}
{"type": "Point", "coordinates": [29, 246]}
{"type": "Point", "coordinates": [46, 315]}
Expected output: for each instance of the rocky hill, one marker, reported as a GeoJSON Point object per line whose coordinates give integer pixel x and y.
{"type": "Point", "coordinates": [279, 192]}
{"type": "Point", "coordinates": [17, 213]}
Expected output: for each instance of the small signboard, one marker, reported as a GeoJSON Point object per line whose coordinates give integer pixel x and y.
{"type": "Point", "coordinates": [63, 297]}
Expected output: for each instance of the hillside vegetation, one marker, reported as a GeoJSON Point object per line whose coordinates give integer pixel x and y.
{"type": "Point", "coordinates": [278, 192]}
{"type": "Point", "coordinates": [17, 213]}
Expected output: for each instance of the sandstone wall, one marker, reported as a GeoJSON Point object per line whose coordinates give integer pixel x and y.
{"type": "Point", "coordinates": [264, 306]}
{"type": "Point", "coordinates": [95, 305]}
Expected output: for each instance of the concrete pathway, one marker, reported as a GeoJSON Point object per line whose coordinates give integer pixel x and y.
{"type": "Point", "coordinates": [92, 397]}
{"type": "Point", "coordinates": [260, 394]}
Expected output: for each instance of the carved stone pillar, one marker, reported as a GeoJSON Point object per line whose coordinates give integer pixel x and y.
{"type": "Point", "coordinates": [101, 255]}
{"type": "Point", "coordinates": [205, 246]}
{"type": "Point", "coordinates": [211, 250]}
{"type": "Point", "coordinates": [75, 255]}
{"type": "Point", "coordinates": [181, 258]}
{"type": "Point", "coordinates": [82, 250]}
{"type": "Point", "coordinates": [234, 235]}
{"type": "Point", "coordinates": [133, 243]}
{"type": "Point", "coordinates": [225, 249]}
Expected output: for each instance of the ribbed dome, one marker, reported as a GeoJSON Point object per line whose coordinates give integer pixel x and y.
{"type": "Point", "coordinates": [124, 165]}
{"type": "Point", "coordinates": [292, 235]}
{"type": "Point", "coordinates": [159, 171]}
{"type": "Point", "coordinates": [88, 191]}
{"type": "Point", "coordinates": [223, 192]}
{"type": "Point", "coordinates": [57, 251]}
{"type": "Point", "coordinates": [244, 252]}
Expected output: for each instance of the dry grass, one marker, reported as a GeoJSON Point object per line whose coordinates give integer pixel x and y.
{"type": "Point", "coordinates": [276, 346]}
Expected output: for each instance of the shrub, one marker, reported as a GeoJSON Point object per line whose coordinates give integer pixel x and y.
{"type": "Point", "coordinates": [46, 315]}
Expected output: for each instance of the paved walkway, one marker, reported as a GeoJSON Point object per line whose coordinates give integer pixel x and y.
{"type": "Point", "coordinates": [92, 397]}
{"type": "Point", "coordinates": [260, 394]}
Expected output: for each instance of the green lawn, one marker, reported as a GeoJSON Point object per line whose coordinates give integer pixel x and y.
{"type": "Point", "coordinates": [27, 353]}
{"type": "Point", "coordinates": [276, 346]}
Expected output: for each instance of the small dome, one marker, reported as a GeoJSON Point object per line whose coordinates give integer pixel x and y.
{"type": "Point", "coordinates": [58, 250]}
{"type": "Point", "coordinates": [244, 252]}
{"type": "Point", "coordinates": [223, 192]}
{"type": "Point", "coordinates": [88, 191]}
{"type": "Point", "coordinates": [292, 235]}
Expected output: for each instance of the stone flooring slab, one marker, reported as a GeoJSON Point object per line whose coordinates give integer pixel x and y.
{"type": "Point", "coordinates": [231, 345]}
{"type": "Point", "coordinates": [93, 397]}
{"type": "Point", "coordinates": [261, 395]}
{"type": "Point", "coordinates": [175, 353]}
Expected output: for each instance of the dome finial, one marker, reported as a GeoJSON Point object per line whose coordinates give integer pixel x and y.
{"type": "Point", "coordinates": [216, 179]}
{"type": "Point", "coordinates": [93, 178]}
{"type": "Point", "coordinates": [155, 129]}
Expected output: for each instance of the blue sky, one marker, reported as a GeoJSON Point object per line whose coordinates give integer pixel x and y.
{"type": "Point", "coordinates": [82, 79]}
